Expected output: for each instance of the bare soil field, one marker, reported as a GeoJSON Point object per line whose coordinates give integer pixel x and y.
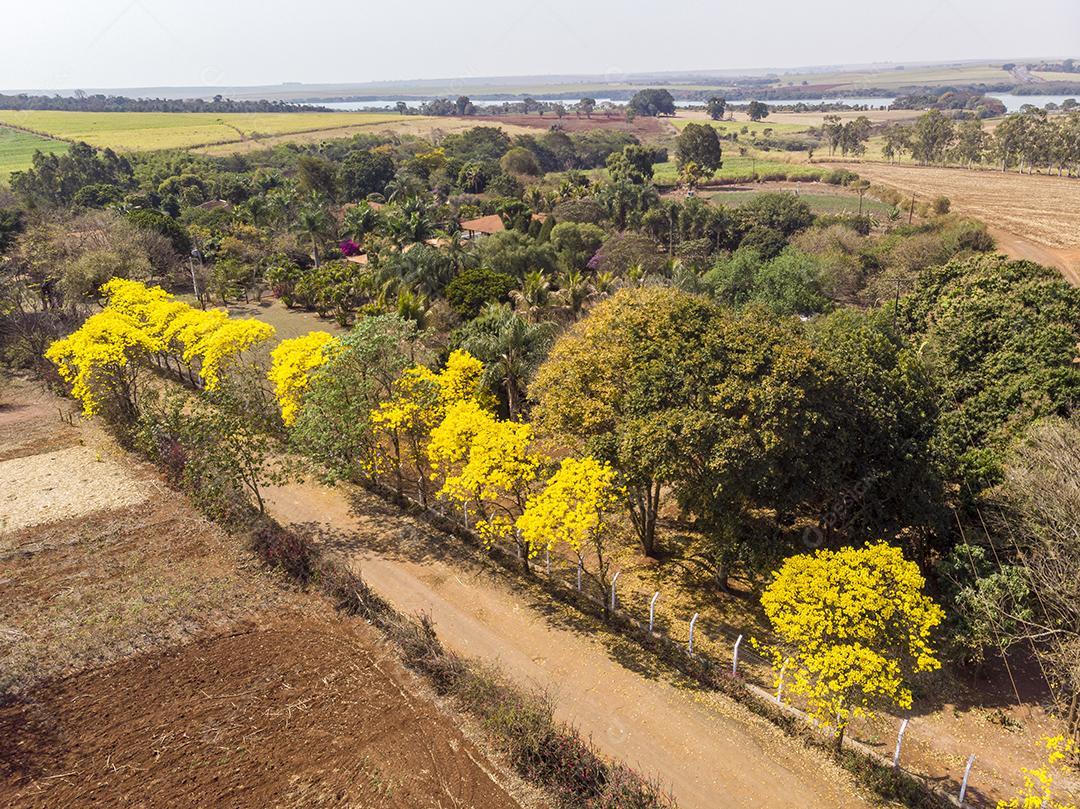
{"type": "Point", "coordinates": [146, 659]}
{"type": "Point", "coordinates": [641, 126]}
{"type": "Point", "coordinates": [1036, 216]}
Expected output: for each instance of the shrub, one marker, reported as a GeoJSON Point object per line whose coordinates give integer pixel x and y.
{"type": "Point", "coordinates": [472, 289]}
{"type": "Point", "coordinates": [283, 548]}
{"type": "Point", "coordinates": [840, 177]}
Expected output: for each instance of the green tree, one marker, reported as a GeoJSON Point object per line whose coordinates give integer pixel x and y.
{"type": "Point", "coordinates": [472, 289]}
{"type": "Point", "coordinates": [652, 102]}
{"type": "Point", "coordinates": [716, 107]}
{"type": "Point", "coordinates": [757, 111]}
{"type": "Point", "coordinates": [574, 244]}
{"type": "Point", "coordinates": [698, 143]}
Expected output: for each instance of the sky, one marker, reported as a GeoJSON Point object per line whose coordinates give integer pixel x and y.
{"type": "Point", "coordinates": [65, 44]}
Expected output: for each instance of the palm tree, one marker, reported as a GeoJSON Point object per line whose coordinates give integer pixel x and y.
{"type": "Point", "coordinates": [412, 306]}
{"type": "Point", "coordinates": [511, 349]}
{"type": "Point", "coordinates": [534, 294]}
{"type": "Point", "coordinates": [574, 290]}
{"type": "Point", "coordinates": [360, 220]}
{"type": "Point", "coordinates": [313, 221]}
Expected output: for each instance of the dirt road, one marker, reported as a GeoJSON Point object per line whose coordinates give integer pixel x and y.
{"type": "Point", "coordinates": [710, 750]}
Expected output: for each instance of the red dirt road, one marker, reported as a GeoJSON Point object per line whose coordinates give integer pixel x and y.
{"type": "Point", "coordinates": [708, 749]}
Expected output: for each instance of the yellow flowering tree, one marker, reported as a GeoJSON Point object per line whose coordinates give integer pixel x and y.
{"type": "Point", "coordinates": [419, 403]}
{"type": "Point", "coordinates": [101, 361]}
{"type": "Point", "coordinates": [573, 508]}
{"type": "Point", "coordinates": [1038, 791]}
{"type": "Point", "coordinates": [486, 464]}
{"type": "Point", "coordinates": [219, 348]}
{"type": "Point", "coordinates": [291, 364]}
{"type": "Point", "coordinates": [853, 627]}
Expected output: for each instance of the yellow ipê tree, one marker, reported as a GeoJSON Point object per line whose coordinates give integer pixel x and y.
{"type": "Point", "coordinates": [419, 403]}
{"type": "Point", "coordinates": [488, 464]}
{"type": "Point", "coordinates": [1039, 791]}
{"type": "Point", "coordinates": [853, 627]}
{"type": "Point", "coordinates": [574, 508]}
{"type": "Point", "coordinates": [140, 325]}
{"type": "Point", "coordinates": [291, 365]}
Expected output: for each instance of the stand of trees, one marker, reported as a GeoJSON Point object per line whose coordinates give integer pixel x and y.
{"type": "Point", "coordinates": [1027, 141]}
{"type": "Point", "coordinates": [81, 102]}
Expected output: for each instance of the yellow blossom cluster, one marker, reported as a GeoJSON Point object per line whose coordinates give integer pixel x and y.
{"type": "Point", "coordinates": [140, 322]}
{"type": "Point", "coordinates": [291, 364]}
{"type": "Point", "coordinates": [572, 506]}
{"type": "Point", "coordinates": [1038, 790]}
{"type": "Point", "coordinates": [99, 358]}
{"type": "Point", "coordinates": [853, 626]}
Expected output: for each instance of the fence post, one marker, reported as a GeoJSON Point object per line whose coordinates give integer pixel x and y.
{"type": "Point", "coordinates": [579, 575]}
{"type": "Point", "coordinates": [547, 560]}
{"type": "Point", "coordinates": [780, 683]}
{"type": "Point", "coordinates": [690, 646]}
{"type": "Point", "coordinates": [614, 579]}
{"type": "Point", "coordinates": [899, 741]}
{"type": "Point", "coordinates": [652, 609]}
{"type": "Point", "coordinates": [967, 772]}
{"type": "Point", "coordinates": [735, 656]}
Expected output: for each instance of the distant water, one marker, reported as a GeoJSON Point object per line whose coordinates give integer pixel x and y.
{"type": "Point", "coordinates": [1012, 102]}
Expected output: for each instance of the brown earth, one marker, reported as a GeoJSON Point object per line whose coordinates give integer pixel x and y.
{"type": "Point", "coordinates": [306, 710]}
{"type": "Point", "coordinates": [1033, 216]}
{"type": "Point", "coordinates": [146, 659]}
{"type": "Point", "coordinates": [642, 126]}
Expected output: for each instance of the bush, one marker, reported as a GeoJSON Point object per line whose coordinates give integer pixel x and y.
{"type": "Point", "coordinates": [840, 177]}
{"type": "Point", "coordinates": [473, 289]}
{"type": "Point", "coordinates": [283, 548]}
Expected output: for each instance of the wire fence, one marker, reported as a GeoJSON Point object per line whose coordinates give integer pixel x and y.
{"type": "Point", "coordinates": [717, 655]}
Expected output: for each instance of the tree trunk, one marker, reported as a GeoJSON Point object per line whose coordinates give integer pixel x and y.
{"type": "Point", "coordinates": [839, 740]}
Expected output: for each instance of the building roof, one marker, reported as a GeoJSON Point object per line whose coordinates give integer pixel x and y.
{"type": "Point", "coordinates": [357, 259]}
{"type": "Point", "coordinates": [485, 224]}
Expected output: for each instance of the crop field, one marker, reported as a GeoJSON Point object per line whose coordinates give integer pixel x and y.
{"type": "Point", "coordinates": [743, 167]}
{"type": "Point", "coordinates": [740, 123]}
{"type": "Point", "coordinates": [887, 79]}
{"type": "Point", "coordinates": [17, 149]}
{"type": "Point", "coordinates": [147, 131]}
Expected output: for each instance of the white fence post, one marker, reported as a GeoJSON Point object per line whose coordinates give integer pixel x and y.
{"type": "Point", "coordinates": [735, 656]}
{"type": "Point", "coordinates": [967, 772]}
{"type": "Point", "coordinates": [652, 609]}
{"type": "Point", "coordinates": [899, 741]}
{"type": "Point", "coordinates": [780, 683]}
{"type": "Point", "coordinates": [614, 579]}
{"type": "Point", "coordinates": [690, 646]}
{"type": "Point", "coordinates": [579, 575]}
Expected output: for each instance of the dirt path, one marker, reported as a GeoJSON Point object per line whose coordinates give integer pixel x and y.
{"type": "Point", "coordinates": [710, 750]}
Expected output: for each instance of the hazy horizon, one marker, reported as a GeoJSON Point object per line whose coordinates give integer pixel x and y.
{"type": "Point", "coordinates": [156, 43]}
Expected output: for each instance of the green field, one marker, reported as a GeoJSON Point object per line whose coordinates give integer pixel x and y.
{"type": "Point", "coordinates": [17, 149]}
{"type": "Point", "coordinates": [819, 203]}
{"type": "Point", "coordinates": [146, 131]}
{"type": "Point", "coordinates": [737, 167]}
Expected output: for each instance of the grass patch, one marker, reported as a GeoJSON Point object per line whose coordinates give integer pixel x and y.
{"type": "Point", "coordinates": [744, 168]}
{"type": "Point", "coordinates": [755, 127]}
{"type": "Point", "coordinates": [17, 149]}
{"type": "Point", "coordinates": [819, 203]}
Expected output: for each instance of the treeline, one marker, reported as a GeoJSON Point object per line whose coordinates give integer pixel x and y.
{"type": "Point", "coordinates": [81, 102]}
{"type": "Point", "coordinates": [1027, 141]}
{"type": "Point", "coordinates": [982, 106]}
